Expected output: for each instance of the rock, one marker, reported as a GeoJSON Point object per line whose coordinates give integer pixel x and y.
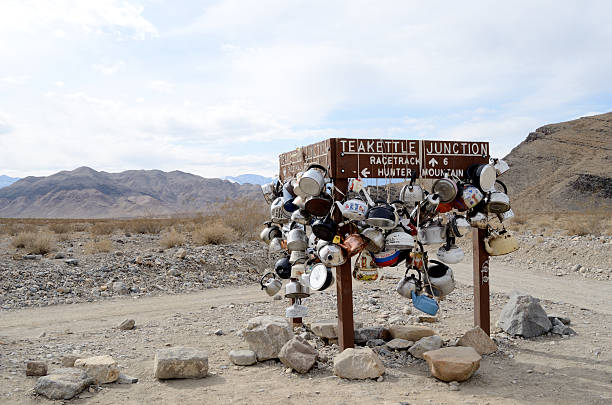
{"type": "Point", "coordinates": [424, 345]}
{"type": "Point", "coordinates": [120, 288]}
{"type": "Point", "coordinates": [68, 360]}
{"type": "Point", "coordinates": [126, 379]}
{"type": "Point", "coordinates": [399, 344]}
{"type": "Point", "coordinates": [243, 357]}
{"type": "Point", "coordinates": [576, 267]}
{"type": "Point", "coordinates": [32, 257]}
{"type": "Point", "coordinates": [375, 343]}
{"type": "Point", "coordinates": [72, 262]}
{"type": "Point", "coordinates": [397, 320]}
{"type": "Point", "coordinates": [103, 369]}
{"type": "Point", "coordinates": [127, 324]}
{"type": "Point", "coordinates": [59, 255]}
{"type": "Point", "coordinates": [427, 319]}
{"type": "Point", "coordinates": [266, 335]}
{"type": "Point", "coordinates": [329, 329]}
{"type": "Point", "coordinates": [180, 362]}
{"type": "Point", "coordinates": [36, 368]}
{"type": "Point", "coordinates": [453, 363]}
{"type": "Point", "coordinates": [173, 272]}
{"type": "Point", "coordinates": [407, 310]}
{"type": "Point", "coordinates": [325, 329]}
{"type": "Point", "coordinates": [219, 332]}
{"type": "Point", "coordinates": [298, 354]}
{"type": "Point", "coordinates": [277, 297]}
{"type": "Point", "coordinates": [181, 253]}
{"type": "Point", "coordinates": [413, 333]}
{"type": "Point", "coordinates": [362, 335]}
{"type": "Point", "coordinates": [559, 328]}
{"type": "Point", "coordinates": [479, 340]}
{"type": "Point", "coordinates": [564, 319]}
{"type": "Point", "coordinates": [358, 364]}
{"type": "Point", "coordinates": [63, 383]}
{"type": "Point", "coordinates": [524, 316]}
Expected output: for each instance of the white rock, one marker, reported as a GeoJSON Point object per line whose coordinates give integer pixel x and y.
{"type": "Point", "coordinates": [424, 345]}
{"type": "Point", "coordinates": [453, 363]}
{"type": "Point", "coordinates": [358, 364]}
{"type": "Point", "coordinates": [266, 335]}
{"type": "Point", "coordinates": [63, 383]}
{"type": "Point", "coordinates": [103, 369]}
{"type": "Point", "coordinates": [298, 354]}
{"type": "Point", "coordinates": [180, 362]}
{"type": "Point", "coordinates": [243, 357]}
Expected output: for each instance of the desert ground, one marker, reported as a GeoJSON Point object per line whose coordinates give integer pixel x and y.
{"type": "Point", "coordinates": [201, 295]}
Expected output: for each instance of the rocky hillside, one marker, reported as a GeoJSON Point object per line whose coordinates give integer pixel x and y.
{"type": "Point", "coordinates": [86, 193]}
{"type": "Point", "coordinates": [565, 166]}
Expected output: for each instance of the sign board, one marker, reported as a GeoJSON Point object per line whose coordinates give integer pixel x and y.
{"type": "Point", "coordinates": [386, 158]}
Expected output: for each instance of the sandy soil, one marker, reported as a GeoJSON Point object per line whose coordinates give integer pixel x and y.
{"type": "Point", "coordinates": [545, 370]}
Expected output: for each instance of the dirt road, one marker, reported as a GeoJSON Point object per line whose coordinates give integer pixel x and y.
{"type": "Point", "coordinates": [540, 371]}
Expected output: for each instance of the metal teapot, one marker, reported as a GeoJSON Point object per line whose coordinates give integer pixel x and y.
{"type": "Point", "coordinates": [411, 194]}
{"type": "Point", "coordinates": [497, 201]}
{"type": "Point", "coordinates": [440, 278]}
{"type": "Point", "coordinates": [271, 285]}
{"type": "Point", "coordinates": [408, 284]}
{"type": "Point", "coordinates": [295, 289]}
{"type": "Point", "coordinates": [297, 239]}
{"type": "Point", "coordinates": [479, 220]}
{"type": "Point", "coordinates": [376, 239]}
{"type": "Point", "coordinates": [313, 180]}
{"type": "Point", "coordinates": [500, 243]}
{"type": "Point", "coordinates": [432, 233]}
{"type": "Point", "coordinates": [270, 232]}
{"type": "Point", "coordinates": [331, 255]}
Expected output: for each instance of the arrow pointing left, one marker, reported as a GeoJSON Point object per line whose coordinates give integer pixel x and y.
{"type": "Point", "coordinates": [365, 172]}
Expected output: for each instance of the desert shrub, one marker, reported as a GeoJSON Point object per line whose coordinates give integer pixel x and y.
{"type": "Point", "coordinates": [212, 233]}
{"type": "Point", "coordinates": [103, 228]}
{"type": "Point", "coordinates": [171, 238]}
{"type": "Point", "coordinates": [36, 243]}
{"type": "Point", "coordinates": [80, 226]}
{"type": "Point", "coordinates": [244, 216]}
{"type": "Point", "coordinates": [143, 225]}
{"type": "Point", "coordinates": [60, 227]}
{"type": "Point", "coordinates": [98, 246]}
{"type": "Point", "coordinates": [23, 240]}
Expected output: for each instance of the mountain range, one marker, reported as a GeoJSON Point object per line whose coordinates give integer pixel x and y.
{"type": "Point", "coordinates": [6, 180]}
{"type": "Point", "coordinates": [558, 167]}
{"type": "Point", "coordinates": [563, 167]}
{"type": "Point", "coordinates": [87, 193]}
{"type": "Point", "coordinates": [249, 179]}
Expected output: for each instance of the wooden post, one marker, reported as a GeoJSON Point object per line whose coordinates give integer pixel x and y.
{"type": "Point", "coordinates": [344, 288]}
{"type": "Point", "coordinates": [482, 313]}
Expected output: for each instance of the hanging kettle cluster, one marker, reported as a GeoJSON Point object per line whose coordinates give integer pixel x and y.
{"type": "Point", "coordinates": [318, 232]}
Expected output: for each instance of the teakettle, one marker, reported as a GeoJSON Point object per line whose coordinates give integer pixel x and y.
{"type": "Point", "coordinates": [354, 209]}
{"type": "Point", "coordinates": [500, 243]}
{"type": "Point", "coordinates": [271, 285]}
{"type": "Point", "coordinates": [450, 253]}
{"type": "Point", "coordinates": [365, 269]}
{"type": "Point", "coordinates": [441, 278]}
{"type": "Point", "coordinates": [313, 180]}
{"type": "Point", "coordinates": [295, 289]}
{"type": "Point", "coordinates": [331, 255]}
{"type": "Point", "coordinates": [270, 232]}
{"type": "Point", "coordinates": [376, 239]}
{"type": "Point", "coordinates": [408, 284]}
{"type": "Point", "coordinates": [432, 233]}
{"type": "Point", "coordinates": [297, 239]}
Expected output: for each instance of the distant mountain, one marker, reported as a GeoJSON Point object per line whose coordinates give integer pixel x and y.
{"type": "Point", "coordinates": [564, 166]}
{"type": "Point", "coordinates": [249, 179]}
{"type": "Point", "coordinates": [7, 181]}
{"type": "Point", "coordinates": [86, 193]}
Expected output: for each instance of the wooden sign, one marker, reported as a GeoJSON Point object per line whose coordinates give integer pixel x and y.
{"type": "Point", "coordinates": [386, 158]}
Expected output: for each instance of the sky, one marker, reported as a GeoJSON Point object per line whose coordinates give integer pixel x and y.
{"type": "Point", "coordinates": [221, 88]}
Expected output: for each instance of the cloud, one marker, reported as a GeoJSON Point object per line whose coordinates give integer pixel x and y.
{"type": "Point", "coordinates": [5, 126]}
{"type": "Point", "coordinates": [225, 86]}
{"type": "Point", "coordinates": [161, 86]}
{"type": "Point", "coordinates": [60, 18]}
{"type": "Point", "coordinates": [108, 69]}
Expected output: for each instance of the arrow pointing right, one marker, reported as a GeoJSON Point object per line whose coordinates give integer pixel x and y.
{"type": "Point", "coordinates": [433, 162]}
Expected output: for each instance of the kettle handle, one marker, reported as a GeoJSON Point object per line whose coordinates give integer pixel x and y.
{"type": "Point", "coordinates": [263, 277]}
{"type": "Point", "coordinates": [488, 247]}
